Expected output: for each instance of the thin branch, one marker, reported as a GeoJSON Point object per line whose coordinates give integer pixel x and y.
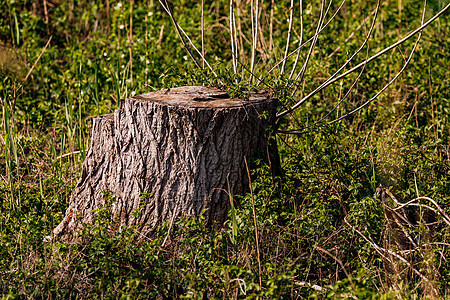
{"type": "Point", "coordinates": [232, 36]}
{"type": "Point", "coordinates": [383, 89]}
{"type": "Point", "coordinates": [411, 202]}
{"type": "Point", "coordinates": [311, 48]}
{"type": "Point", "coordinates": [188, 49]}
{"type": "Point", "coordinates": [300, 42]}
{"type": "Point", "coordinates": [301, 46]}
{"type": "Point", "coordinates": [177, 27]}
{"type": "Point", "coordinates": [362, 45]}
{"type": "Point", "coordinates": [381, 252]}
{"type": "Point", "coordinates": [203, 34]}
{"type": "Point", "coordinates": [304, 129]}
{"type": "Point", "coordinates": [331, 81]}
{"type": "Point", "coordinates": [338, 261]}
{"type": "Point", "coordinates": [288, 40]}
{"type": "Point", "coordinates": [254, 14]}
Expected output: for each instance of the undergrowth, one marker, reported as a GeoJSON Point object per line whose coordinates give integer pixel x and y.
{"type": "Point", "coordinates": [319, 225]}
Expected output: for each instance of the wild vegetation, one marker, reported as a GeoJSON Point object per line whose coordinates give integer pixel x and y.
{"type": "Point", "coordinates": [361, 211]}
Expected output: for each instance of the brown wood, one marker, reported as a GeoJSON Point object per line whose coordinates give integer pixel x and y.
{"type": "Point", "coordinates": [182, 147]}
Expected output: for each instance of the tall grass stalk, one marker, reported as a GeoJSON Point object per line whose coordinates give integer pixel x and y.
{"type": "Point", "coordinates": [11, 153]}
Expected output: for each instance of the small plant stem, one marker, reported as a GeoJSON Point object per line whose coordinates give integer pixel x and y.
{"type": "Point", "coordinates": [311, 48]}
{"type": "Point", "coordinates": [383, 89]}
{"type": "Point", "coordinates": [288, 39]}
{"type": "Point", "coordinates": [177, 27]}
{"type": "Point", "coordinates": [36, 61]}
{"type": "Point", "coordinates": [300, 42]}
{"type": "Point", "coordinates": [252, 61]}
{"type": "Point", "coordinates": [130, 41]}
{"type": "Point", "coordinates": [203, 34]}
{"type": "Point", "coordinates": [271, 27]}
{"type": "Point", "coordinates": [254, 15]}
{"type": "Point", "coordinates": [301, 46]}
{"type": "Point", "coordinates": [338, 261]}
{"type": "Point", "coordinates": [331, 80]}
{"type": "Point", "coordinates": [232, 37]}
{"type": "Point", "coordinates": [254, 221]}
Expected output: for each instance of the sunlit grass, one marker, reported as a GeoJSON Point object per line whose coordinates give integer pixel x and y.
{"type": "Point", "coordinates": [101, 52]}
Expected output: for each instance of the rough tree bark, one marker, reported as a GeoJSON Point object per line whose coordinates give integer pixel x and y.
{"type": "Point", "coordinates": [183, 147]}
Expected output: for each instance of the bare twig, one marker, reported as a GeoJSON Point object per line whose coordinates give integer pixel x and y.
{"type": "Point", "coordinates": [362, 45]}
{"type": "Point", "coordinates": [381, 251]}
{"type": "Point", "coordinates": [299, 47]}
{"type": "Point", "coordinates": [411, 202]}
{"type": "Point", "coordinates": [384, 88]}
{"type": "Point", "coordinates": [311, 48]}
{"type": "Point", "coordinates": [177, 27]}
{"type": "Point", "coordinates": [300, 41]}
{"type": "Point", "coordinates": [180, 30]}
{"type": "Point", "coordinates": [387, 49]}
{"type": "Point", "coordinates": [288, 39]}
{"type": "Point", "coordinates": [37, 59]}
{"type": "Point", "coordinates": [203, 34]}
{"type": "Point", "coordinates": [338, 261]}
{"type": "Point", "coordinates": [304, 129]}
{"type": "Point", "coordinates": [254, 15]}
{"type": "Point", "coordinates": [233, 37]}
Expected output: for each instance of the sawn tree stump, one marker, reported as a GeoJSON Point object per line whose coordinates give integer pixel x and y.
{"type": "Point", "coordinates": [183, 148]}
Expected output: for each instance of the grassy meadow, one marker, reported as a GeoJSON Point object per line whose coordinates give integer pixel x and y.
{"type": "Point", "coordinates": [361, 211]}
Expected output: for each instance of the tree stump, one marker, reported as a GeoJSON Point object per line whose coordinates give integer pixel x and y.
{"type": "Point", "coordinates": [169, 153]}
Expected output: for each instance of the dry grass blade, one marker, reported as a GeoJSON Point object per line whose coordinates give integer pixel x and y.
{"type": "Point", "coordinates": [381, 251]}
{"type": "Point", "coordinates": [254, 221]}
{"type": "Point", "coordinates": [37, 59]}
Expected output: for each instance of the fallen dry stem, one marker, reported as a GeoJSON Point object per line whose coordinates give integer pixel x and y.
{"type": "Point", "coordinates": [381, 251]}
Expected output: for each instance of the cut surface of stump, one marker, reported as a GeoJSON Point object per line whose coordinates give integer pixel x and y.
{"type": "Point", "coordinates": [169, 153]}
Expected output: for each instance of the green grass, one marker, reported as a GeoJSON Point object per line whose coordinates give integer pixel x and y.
{"type": "Point", "coordinates": [318, 225]}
